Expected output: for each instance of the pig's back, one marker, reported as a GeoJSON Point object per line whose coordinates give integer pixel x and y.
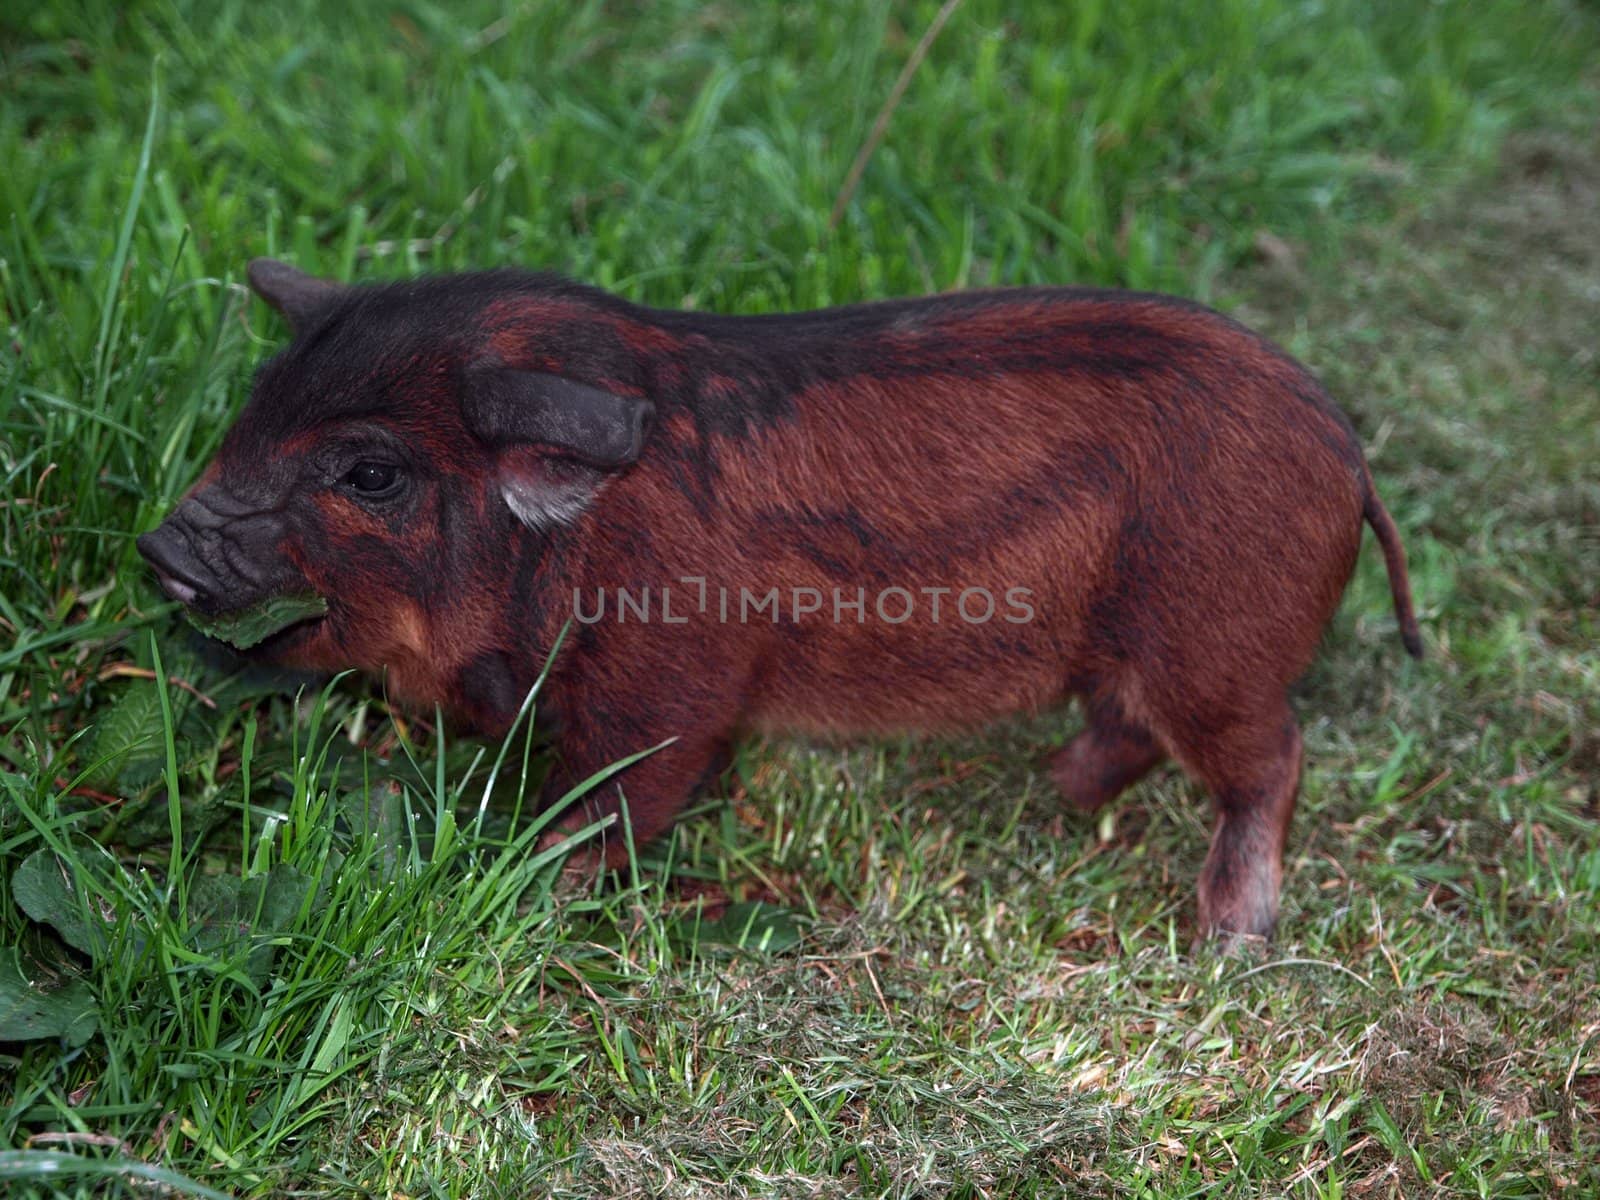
{"type": "Point", "coordinates": [1000, 499]}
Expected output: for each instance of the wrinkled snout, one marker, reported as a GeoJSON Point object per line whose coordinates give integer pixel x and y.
{"type": "Point", "coordinates": [216, 554]}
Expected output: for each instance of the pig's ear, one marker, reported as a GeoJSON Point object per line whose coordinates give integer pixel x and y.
{"type": "Point", "coordinates": [555, 440]}
{"type": "Point", "coordinates": [597, 428]}
{"type": "Point", "coordinates": [291, 291]}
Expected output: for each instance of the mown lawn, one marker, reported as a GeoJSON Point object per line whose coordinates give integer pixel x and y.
{"type": "Point", "coordinates": [270, 939]}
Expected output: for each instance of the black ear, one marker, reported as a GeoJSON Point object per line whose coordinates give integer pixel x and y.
{"type": "Point", "coordinates": [292, 292]}
{"type": "Point", "coordinates": [599, 428]}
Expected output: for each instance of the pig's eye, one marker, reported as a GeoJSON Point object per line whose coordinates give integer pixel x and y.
{"type": "Point", "coordinates": [373, 479]}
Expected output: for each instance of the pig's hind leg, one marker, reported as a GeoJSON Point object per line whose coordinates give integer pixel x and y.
{"type": "Point", "coordinates": [1111, 754]}
{"type": "Point", "coordinates": [1250, 762]}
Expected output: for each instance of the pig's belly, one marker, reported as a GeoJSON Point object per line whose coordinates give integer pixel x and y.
{"type": "Point", "coordinates": [831, 679]}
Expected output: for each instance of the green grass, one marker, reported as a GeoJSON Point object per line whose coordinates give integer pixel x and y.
{"type": "Point", "coordinates": [291, 943]}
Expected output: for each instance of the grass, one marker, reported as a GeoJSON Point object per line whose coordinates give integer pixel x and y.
{"type": "Point", "coordinates": [288, 942]}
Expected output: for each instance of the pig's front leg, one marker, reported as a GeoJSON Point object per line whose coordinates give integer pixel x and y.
{"type": "Point", "coordinates": [694, 749]}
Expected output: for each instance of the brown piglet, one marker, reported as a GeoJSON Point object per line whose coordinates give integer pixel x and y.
{"type": "Point", "coordinates": [911, 515]}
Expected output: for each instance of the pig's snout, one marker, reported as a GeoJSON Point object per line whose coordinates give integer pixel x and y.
{"type": "Point", "coordinates": [215, 555]}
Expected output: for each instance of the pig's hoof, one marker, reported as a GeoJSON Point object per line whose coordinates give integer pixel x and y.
{"type": "Point", "coordinates": [1238, 920]}
{"type": "Point", "coordinates": [582, 863]}
{"type": "Point", "coordinates": [1223, 943]}
{"type": "Point", "coordinates": [1080, 778]}
{"type": "Point", "coordinates": [1099, 764]}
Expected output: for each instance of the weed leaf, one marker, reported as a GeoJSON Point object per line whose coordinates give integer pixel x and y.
{"type": "Point", "coordinates": [29, 1012]}
{"type": "Point", "coordinates": [229, 915]}
{"type": "Point", "coordinates": [127, 736]}
{"type": "Point", "coordinates": [754, 925]}
{"type": "Point", "coordinates": [250, 626]}
{"type": "Point", "coordinates": [44, 891]}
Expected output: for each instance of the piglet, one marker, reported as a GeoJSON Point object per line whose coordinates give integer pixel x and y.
{"type": "Point", "coordinates": [911, 515]}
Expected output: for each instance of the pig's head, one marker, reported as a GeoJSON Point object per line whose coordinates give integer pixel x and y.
{"type": "Point", "coordinates": [402, 460]}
